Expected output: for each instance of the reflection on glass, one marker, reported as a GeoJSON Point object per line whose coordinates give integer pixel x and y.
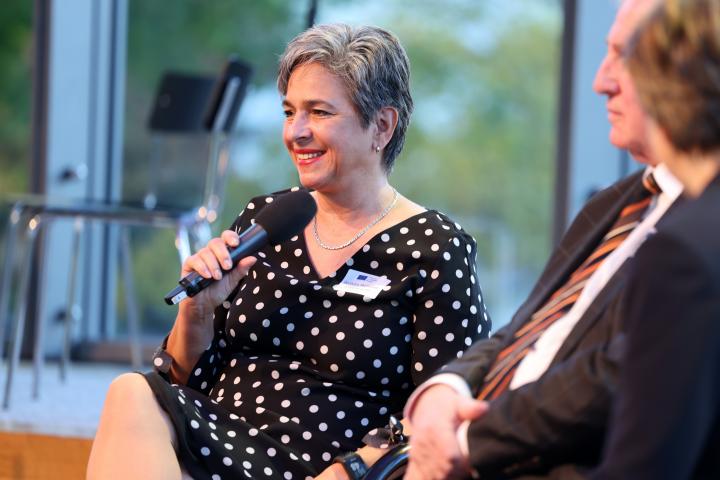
{"type": "Point", "coordinates": [15, 106]}
{"type": "Point", "coordinates": [481, 142]}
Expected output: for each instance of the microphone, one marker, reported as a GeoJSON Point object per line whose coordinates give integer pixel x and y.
{"type": "Point", "coordinates": [285, 217]}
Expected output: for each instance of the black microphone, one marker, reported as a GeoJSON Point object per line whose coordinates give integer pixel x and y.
{"type": "Point", "coordinates": [286, 216]}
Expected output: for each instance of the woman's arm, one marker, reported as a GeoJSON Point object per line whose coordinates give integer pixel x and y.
{"type": "Point", "coordinates": [369, 455]}
{"type": "Point", "coordinates": [193, 329]}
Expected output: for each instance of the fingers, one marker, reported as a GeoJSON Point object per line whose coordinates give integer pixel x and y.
{"type": "Point", "coordinates": [241, 270]}
{"type": "Point", "coordinates": [412, 472]}
{"type": "Point", "coordinates": [435, 457]}
{"type": "Point", "coordinates": [245, 265]}
{"type": "Point", "coordinates": [435, 450]}
{"type": "Point", "coordinates": [471, 409]}
{"type": "Point", "coordinates": [211, 260]}
{"type": "Point", "coordinates": [230, 238]}
{"type": "Point", "coordinates": [426, 412]}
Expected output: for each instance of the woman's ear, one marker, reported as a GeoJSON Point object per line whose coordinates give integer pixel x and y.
{"type": "Point", "coordinates": [386, 120]}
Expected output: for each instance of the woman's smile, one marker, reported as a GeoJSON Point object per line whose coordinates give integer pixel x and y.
{"type": "Point", "coordinates": [307, 157]}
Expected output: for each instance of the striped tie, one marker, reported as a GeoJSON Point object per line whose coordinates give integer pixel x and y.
{"type": "Point", "coordinates": [503, 368]}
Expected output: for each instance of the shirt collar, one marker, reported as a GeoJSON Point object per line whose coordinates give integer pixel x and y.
{"type": "Point", "coordinates": [670, 185]}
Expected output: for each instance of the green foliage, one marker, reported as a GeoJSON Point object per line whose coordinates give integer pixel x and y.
{"type": "Point", "coordinates": [483, 132]}
{"type": "Point", "coordinates": [481, 143]}
{"type": "Point", "coordinates": [15, 94]}
{"type": "Point", "coordinates": [194, 36]}
{"type": "Point", "coordinates": [480, 146]}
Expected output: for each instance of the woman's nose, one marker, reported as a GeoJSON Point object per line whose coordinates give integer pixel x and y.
{"type": "Point", "coordinates": [299, 128]}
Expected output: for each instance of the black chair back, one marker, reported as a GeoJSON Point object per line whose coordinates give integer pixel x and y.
{"type": "Point", "coordinates": [390, 466]}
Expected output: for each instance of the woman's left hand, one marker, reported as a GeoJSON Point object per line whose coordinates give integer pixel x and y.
{"type": "Point", "coordinates": [334, 472]}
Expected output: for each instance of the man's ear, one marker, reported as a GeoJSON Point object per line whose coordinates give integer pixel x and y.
{"type": "Point", "coordinates": [386, 120]}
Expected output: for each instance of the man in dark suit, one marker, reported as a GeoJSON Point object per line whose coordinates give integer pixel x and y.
{"type": "Point", "coordinates": [548, 376]}
{"type": "Point", "coordinates": [666, 417]}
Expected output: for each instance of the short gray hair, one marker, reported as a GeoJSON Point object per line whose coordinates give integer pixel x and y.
{"type": "Point", "coordinates": [370, 62]}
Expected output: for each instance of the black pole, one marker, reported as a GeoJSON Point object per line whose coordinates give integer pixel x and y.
{"type": "Point", "coordinates": [312, 13]}
{"type": "Point", "coordinates": [564, 123]}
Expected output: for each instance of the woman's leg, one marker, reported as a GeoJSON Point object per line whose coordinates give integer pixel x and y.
{"type": "Point", "coordinates": [135, 437]}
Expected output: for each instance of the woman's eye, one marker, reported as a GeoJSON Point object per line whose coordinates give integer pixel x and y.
{"type": "Point", "coordinates": [288, 113]}
{"type": "Point", "coordinates": [320, 113]}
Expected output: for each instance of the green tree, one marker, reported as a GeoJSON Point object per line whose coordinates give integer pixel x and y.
{"type": "Point", "coordinates": [15, 94]}
{"type": "Point", "coordinates": [481, 143]}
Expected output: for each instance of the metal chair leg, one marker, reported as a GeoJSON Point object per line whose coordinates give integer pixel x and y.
{"type": "Point", "coordinates": [131, 301]}
{"type": "Point", "coordinates": [39, 334]}
{"type": "Point", "coordinates": [19, 324]}
{"type": "Point", "coordinates": [8, 267]}
{"type": "Point", "coordinates": [71, 318]}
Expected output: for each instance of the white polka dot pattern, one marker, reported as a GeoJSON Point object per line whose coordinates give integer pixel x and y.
{"type": "Point", "coordinates": [299, 373]}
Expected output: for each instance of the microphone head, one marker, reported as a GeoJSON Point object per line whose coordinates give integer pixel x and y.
{"type": "Point", "coordinates": [287, 215]}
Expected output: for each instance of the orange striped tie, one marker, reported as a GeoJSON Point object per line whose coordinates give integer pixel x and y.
{"type": "Point", "coordinates": [503, 368]}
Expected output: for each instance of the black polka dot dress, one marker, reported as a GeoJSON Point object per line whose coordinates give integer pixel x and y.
{"type": "Point", "coordinates": [301, 368]}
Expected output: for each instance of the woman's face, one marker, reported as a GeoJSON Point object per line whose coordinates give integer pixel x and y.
{"type": "Point", "coordinates": [323, 133]}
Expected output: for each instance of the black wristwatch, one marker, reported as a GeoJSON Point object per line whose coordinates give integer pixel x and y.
{"type": "Point", "coordinates": [353, 464]}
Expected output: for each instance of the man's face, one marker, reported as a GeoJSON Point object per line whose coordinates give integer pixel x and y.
{"type": "Point", "coordinates": [627, 119]}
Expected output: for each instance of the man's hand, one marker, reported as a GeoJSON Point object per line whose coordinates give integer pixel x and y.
{"type": "Point", "coordinates": [435, 452]}
{"type": "Point", "coordinates": [334, 472]}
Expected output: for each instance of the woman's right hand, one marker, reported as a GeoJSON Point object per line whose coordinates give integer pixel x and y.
{"type": "Point", "coordinates": [193, 329]}
{"type": "Point", "coordinates": [213, 261]}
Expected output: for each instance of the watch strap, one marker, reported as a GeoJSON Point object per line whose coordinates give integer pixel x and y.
{"type": "Point", "coordinates": [353, 464]}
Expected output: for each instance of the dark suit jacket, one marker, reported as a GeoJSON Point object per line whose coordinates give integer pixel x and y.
{"type": "Point", "coordinates": [561, 417]}
{"type": "Point", "coordinates": [666, 421]}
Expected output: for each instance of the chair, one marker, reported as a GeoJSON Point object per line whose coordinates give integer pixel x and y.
{"type": "Point", "coordinates": [391, 465]}
{"type": "Point", "coordinates": [184, 103]}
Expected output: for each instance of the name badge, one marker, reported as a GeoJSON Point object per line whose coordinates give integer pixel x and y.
{"type": "Point", "coordinates": [360, 283]}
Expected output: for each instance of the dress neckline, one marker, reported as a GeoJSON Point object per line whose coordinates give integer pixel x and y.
{"type": "Point", "coordinates": [334, 275]}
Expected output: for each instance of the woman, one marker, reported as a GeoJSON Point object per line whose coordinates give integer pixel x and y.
{"type": "Point", "coordinates": [666, 421]}
{"type": "Point", "coordinates": [300, 366]}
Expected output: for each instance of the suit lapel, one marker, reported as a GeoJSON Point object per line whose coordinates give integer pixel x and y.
{"type": "Point", "coordinates": [591, 224]}
{"type": "Point", "coordinates": [610, 292]}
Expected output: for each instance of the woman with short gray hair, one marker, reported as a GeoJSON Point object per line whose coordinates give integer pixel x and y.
{"type": "Point", "coordinates": [313, 346]}
{"type": "Point", "coordinates": [371, 64]}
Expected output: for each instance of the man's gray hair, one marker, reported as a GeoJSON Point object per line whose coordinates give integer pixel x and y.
{"type": "Point", "coordinates": [369, 61]}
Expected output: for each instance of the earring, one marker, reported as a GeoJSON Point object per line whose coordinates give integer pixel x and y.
{"type": "Point", "coordinates": [377, 149]}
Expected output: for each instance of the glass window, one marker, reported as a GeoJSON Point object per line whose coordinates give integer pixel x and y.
{"type": "Point", "coordinates": [480, 146]}
{"type": "Point", "coordinates": [15, 94]}
{"type": "Point", "coordinates": [15, 106]}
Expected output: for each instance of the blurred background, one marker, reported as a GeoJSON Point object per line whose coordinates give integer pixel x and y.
{"type": "Point", "coordinates": [507, 136]}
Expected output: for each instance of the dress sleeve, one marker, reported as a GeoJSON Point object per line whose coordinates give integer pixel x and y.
{"type": "Point", "coordinates": [204, 374]}
{"type": "Point", "coordinates": [450, 312]}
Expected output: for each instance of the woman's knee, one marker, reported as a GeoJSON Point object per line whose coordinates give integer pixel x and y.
{"type": "Point", "coordinates": [131, 401]}
{"type": "Point", "coordinates": [129, 391]}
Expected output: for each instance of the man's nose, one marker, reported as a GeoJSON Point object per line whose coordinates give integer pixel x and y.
{"type": "Point", "coordinates": [604, 82]}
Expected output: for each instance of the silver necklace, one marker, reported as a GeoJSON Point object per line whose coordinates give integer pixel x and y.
{"type": "Point", "coordinates": [362, 232]}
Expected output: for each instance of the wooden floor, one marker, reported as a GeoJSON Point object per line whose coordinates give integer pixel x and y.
{"type": "Point", "coordinates": [25, 456]}
{"type": "Point", "coordinates": [49, 437]}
